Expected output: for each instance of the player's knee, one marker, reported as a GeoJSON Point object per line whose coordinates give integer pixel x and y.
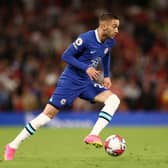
{"type": "Point", "coordinates": [113, 99]}
{"type": "Point", "coordinates": [51, 114]}
{"type": "Point", "coordinates": [111, 104]}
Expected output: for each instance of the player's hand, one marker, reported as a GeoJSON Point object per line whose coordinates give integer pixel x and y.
{"type": "Point", "coordinates": [107, 82]}
{"type": "Point", "coordinates": [93, 73]}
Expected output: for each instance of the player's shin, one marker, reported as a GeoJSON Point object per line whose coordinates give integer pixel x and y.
{"type": "Point", "coordinates": [106, 114]}
{"type": "Point", "coordinates": [29, 130]}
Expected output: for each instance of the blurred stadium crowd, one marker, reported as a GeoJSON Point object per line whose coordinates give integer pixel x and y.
{"type": "Point", "coordinates": [34, 33]}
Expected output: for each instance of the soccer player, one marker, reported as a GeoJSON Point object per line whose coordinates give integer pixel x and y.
{"type": "Point", "coordinates": [78, 80]}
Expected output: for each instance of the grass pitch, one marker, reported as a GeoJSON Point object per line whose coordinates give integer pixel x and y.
{"type": "Point", "coordinates": [64, 148]}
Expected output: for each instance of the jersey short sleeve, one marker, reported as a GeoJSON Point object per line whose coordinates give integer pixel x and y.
{"type": "Point", "coordinates": [79, 44]}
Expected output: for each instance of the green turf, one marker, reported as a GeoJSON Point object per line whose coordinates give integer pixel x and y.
{"type": "Point", "coordinates": [63, 148]}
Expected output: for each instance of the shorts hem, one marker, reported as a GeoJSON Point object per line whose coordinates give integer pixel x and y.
{"type": "Point", "coordinates": [54, 105]}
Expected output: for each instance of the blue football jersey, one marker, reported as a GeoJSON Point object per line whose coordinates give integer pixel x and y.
{"type": "Point", "coordinates": [87, 50]}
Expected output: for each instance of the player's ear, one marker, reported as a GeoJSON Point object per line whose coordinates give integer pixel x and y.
{"type": "Point", "coordinates": [103, 26]}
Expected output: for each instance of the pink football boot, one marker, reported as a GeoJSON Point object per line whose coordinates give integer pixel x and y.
{"type": "Point", "coordinates": [9, 153]}
{"type": "Point", "coordinates": [94, 140]}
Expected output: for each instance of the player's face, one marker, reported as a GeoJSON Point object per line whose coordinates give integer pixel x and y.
{"type": "Point", "coordinates": [111, 28]}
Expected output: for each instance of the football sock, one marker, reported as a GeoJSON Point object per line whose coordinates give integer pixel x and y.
{"type": "Point", "coordinates": [106, 114]}
{"type": "Point", "coordinates": [29, 129]}
{"type": "Point", "coordinates": [39, 121]}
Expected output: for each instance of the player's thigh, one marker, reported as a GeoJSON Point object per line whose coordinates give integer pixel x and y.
{"type": "Point", "coordinates": [101, 97]}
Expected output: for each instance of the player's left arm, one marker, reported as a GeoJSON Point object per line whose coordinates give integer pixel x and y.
{"type": "Point", "coordinates": [106, 68]}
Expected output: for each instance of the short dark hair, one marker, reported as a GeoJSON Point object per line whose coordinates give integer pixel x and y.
{"type": "Point", "coordinates": [107, 16]}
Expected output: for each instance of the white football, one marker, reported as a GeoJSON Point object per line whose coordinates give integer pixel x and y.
{"type": "Point", "coordinates": [115, 145]}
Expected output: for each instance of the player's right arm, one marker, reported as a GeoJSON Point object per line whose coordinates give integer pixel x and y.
{"type": "Point", "coordinates": [72, 53]}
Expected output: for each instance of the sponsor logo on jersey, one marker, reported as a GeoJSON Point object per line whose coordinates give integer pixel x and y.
{"type": "Point", "coordinates": [95, 62]}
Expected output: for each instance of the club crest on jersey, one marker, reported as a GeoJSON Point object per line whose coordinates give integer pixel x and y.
{"type": "Point", "coordinates": [63, 101]}
{"type": "Point", "coordinates": [106, 50]}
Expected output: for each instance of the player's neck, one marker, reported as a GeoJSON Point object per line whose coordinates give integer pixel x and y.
{"type": "Point", "coordinates": [101, 35]}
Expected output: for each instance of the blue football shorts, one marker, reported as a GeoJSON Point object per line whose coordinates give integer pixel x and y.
{"type": "Point", "coordinates": [68, 89]}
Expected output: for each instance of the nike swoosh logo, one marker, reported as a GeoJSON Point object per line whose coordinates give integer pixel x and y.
{"type": "Point", "coordinates": [92, 52]}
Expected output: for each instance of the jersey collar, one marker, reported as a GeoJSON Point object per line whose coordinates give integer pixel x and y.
{"type": "Point", "coordinates": [97, 36]}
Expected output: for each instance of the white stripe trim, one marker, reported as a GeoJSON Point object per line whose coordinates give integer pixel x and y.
{"type": "Point", "coordinates": [97, 36]}
{"type": "Point", "coordinates": [75, 46]}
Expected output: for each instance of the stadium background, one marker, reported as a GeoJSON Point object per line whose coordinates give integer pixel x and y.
{"type": "Point", "coordinates": [34, 33]}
